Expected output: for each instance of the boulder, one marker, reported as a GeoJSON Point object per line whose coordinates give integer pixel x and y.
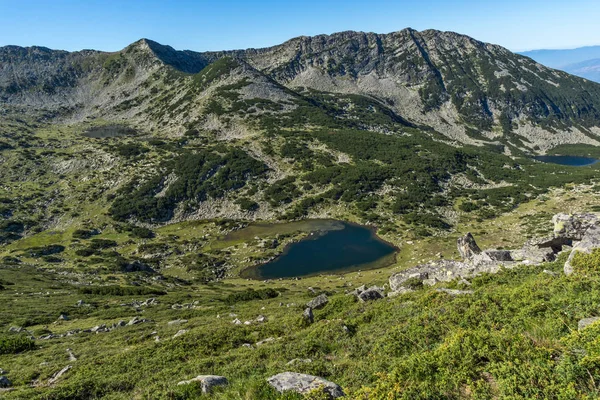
{"type": "Point", "coordinates": [304, 384]}
{"type": "Point", "coordinates": [318, 302]}
{"type": "Point", "coordinates": [573, 226]}
{"type": "Point", "coordinates": [207, 382]}
{"type": "Point", "coordinates": [371, 294]}
{"type": "Point", "coordinates": [5, 382]}
{"type": "Point", "coordinates": [308, 315]}
{"type": "Point", "coordinates": [589, 242]}
{"type": "Point", "coordinates": [467, 247]}
{"type": "Point", "coordinates": [584, 323]}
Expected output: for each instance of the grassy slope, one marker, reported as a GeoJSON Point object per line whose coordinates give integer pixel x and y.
{"type": "Point", "coordinates": [513, 338]}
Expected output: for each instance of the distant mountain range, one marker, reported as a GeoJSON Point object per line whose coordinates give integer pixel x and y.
{"type": "Point", "coordinates": [468, 90]}
{"type": "Point", "coordinates": [583, 61]}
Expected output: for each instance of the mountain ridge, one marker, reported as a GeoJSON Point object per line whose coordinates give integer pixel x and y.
{"type": "Point", "coordinates": [455, 84]}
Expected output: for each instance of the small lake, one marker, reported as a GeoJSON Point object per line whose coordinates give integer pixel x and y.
{"type": "Point", "coordinates": [331, 247]}
{"type": "Point", "coordinates": [573, 161]}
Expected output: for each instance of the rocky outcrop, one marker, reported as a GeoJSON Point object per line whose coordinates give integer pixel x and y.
{"type": "Point", "coordinates": [437, 271]}
{"type": "Point", "coordinates": [467, 247]}
{"type": "Point", "coordinates": [573, 226]}
{"type": "Point", "coordinates": [207, 382]}
{"type": "Point", "coordinates": [580, 230]}
{"type": "Point", "coordinates": [589, 242]}
{"type": "Point", "coordinates": [304, 384]}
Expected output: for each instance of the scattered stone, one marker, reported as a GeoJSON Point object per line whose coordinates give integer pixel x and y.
{"type": "Point", "coordinates": [135, 321]}
{"type": "Point", "coordinates": [5, 382]}
{"type": "Point", "coordinates": [15, 329]}
{"type": "Point", "coordinates": [261, 319]}
{"type": "Point", "coordinates": [318, 302]}
{"type": "Point", "coordinates": [551, 273]}
{"type": "Point", "coordinates": [71, 355]}
{"type": "Point", "coordinates": [207, 382]}
{"type": "Point", "coordinates": [304, 384]}
{"type": "Point", "coordinates": [177, 322]}
{"type": "Point", "coordinates": [57, 375]}
{"type": "Point", "coordinates": [237, 322]}
{"type": "Point", "coordinates": [63, 317]}
{"type": "Point", "coordinates": [247, 345]}
{"type": "Point", "coordinates": [371, 294]}
{"type": "Point", "coordinates": [99, 328]}
{"type": "Point", "coordinates": [310, 289]}
{"type": "Point", "coordinates": [80, 303]}
{"type": "Point", "coordinates": [584, 323]}
{"type": "Point", "coordinates": [308, 315]}
{"type": "Point", "coordinates": [180, 333]}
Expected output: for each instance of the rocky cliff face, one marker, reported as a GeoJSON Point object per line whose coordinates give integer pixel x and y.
{"type": "Point", "coordinates": [470, 91]}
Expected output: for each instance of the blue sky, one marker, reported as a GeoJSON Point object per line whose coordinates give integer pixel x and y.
{"type": "Point", "coordinates": [220, 25]}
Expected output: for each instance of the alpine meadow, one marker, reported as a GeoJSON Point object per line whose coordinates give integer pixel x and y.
{"type": "Point", "coordinates": [411, 215]}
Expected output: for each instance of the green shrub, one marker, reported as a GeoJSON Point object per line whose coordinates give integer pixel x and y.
{"type": "Point", "coordinates": [121, 290]}
{"type": "Point", "coordinates": [251, 294]}
{"type": "Point", "coordinates": [584, 263]}
{"type": "Point", "coordinates": [13, 344]}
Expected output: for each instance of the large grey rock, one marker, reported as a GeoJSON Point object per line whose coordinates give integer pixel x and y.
{"type": "Point", "coordinates": [573, 226]}
{"type": "Point", "coordinates": [207, 382]}
{"type": "Point", "coordinates": [499, 255]}
{"type": "Point", "coordinates": [5, 382]}
{"type": "Point", "coordinates": [583, 323]}
{"type": "Point", "coordinates": [436, 271]}
{"type": "Point", "coordinates": [467, 247]}
{"type": "Point", "coordinates": [371, 294]}
{"type": "Point", "coordinates": [590, 242]}
{"type": "Point", "coordinates": [318, 302]}
{"type": "Point", "coordinates": [303, 384]}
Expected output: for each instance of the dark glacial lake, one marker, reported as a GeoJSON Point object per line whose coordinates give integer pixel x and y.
{"type": "Point", "coordinates": [573, 161]}
{"type": "Point", "coordinates": [331, 247]}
